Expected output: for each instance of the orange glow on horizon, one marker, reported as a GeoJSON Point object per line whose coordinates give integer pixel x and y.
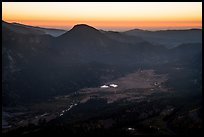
{"type": "Point", "coordinates": [121, 25]}
{"type": "Point", "coordinates": [119, 16]}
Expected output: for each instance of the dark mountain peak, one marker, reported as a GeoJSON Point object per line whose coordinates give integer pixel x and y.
{"type": "Point", "coordinates": [82, 25]}
{"type": "Point", "coordinates": [83, 28]}
{"type": "Point", "coordinates": [83, 31]}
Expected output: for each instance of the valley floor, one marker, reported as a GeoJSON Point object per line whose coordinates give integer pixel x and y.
{"type": "Point", "coordinates": [140, 104]}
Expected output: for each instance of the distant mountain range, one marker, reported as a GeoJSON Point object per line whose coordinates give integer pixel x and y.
{"type": "Point", "coordinates": [169, 38]}
{"type": "Point", "coordinates": [26, 29]}
{"type": "Point", "coordinates": [40, 62]}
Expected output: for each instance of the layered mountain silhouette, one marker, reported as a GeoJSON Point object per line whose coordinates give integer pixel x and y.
{"type": "Point", "coordinates": [37, 65]}
{"type": "Point", "coordinates": [26, 29]}
{"type": "Point", "coordinates": [94, 45]}
{"type": "Point", "coordinates": [169, 38]}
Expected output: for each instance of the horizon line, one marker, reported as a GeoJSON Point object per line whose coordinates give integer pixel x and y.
{"type": "Point", "coordinates": [136, 28]}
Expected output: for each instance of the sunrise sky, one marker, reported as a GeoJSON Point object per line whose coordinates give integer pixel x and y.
{"type": "Point", "coordinates": [106, 15]}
